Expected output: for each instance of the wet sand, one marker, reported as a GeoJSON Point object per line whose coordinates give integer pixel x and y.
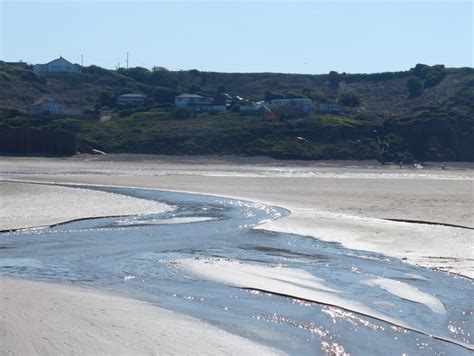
{"type": "Point", "coordinates": [346, 202]}
{"type": "Point", "coordinates": [350, 211]}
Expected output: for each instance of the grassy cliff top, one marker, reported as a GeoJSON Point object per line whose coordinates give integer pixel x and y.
{"type": "Point", "coordinates": [425, 113]}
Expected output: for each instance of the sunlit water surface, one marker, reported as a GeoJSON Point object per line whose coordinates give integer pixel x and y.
{"type": "Point", "coordinates": [143, 257]}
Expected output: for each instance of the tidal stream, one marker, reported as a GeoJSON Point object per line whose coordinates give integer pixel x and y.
{"type": "Point", "coordinates": [291, 292]}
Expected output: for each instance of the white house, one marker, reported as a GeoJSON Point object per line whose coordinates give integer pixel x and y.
{"type": "Point", "coordinates": [131, 99]}
{"type": "Point", "coordinates": [48, 105]}
{"type": "Point", "coordinates": [193, 102]}
{"type": "Point", "coordinates": [303, 105]}
{"type": "Point", "coordinates": [59, 65]}
{"type": "Point", "coordinates": [253, 108]}
{"type": "Point", "coordinates": [329, 108]}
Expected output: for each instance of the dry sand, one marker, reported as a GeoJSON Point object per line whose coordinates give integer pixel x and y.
{"type": "Point", "coordinates": [34, 205]}
{"type": "Point", "coordinates": [44, 319]}
{"type": "Point", "coordinates": [344, 202]}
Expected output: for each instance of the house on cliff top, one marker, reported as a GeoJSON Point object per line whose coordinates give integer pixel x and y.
{"type": "Point", "coordinates": [131, 99]}
{"type": "Point", "coordinates": [193, 102]}
{"type": "Point", "coordinates": [47, 105]}
{"type": "Point", "coordinates": [59, 65]}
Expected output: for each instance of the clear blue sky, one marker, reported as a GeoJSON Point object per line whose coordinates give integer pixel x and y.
{"type": "Point", "coordinates": [264, 36]}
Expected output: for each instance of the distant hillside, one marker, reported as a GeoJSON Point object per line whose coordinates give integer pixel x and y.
{"type": "Point", "coordinates": [433, 119]}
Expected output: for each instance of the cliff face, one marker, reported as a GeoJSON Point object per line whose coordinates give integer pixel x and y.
{"type": "Point", "coordinates": [35, 141]}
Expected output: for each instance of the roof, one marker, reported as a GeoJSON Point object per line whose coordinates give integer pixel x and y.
{"type": "Point", "coordinates": [132, 96]}
{"type": "Point", "coordinates": [290, 100]}
{"type": "Point", "coordinates": [44, 99]}
{"type": "Point", "coordinates": [189, 96]}
{"type": "Point", "coordinates": [57, 59]}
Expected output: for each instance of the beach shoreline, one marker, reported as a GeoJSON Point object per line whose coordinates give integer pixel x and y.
{"type": "Point", "coordinates": [32, 206]}
{"type": "Point", "coordinates": [348, 205]}
{"type": "Point", "coordinates": [355, 205]}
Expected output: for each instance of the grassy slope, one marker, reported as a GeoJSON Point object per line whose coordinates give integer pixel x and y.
{"type": "Point", "coordinates": [436, 125]}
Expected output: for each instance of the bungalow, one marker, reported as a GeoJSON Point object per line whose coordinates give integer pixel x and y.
{"type": "Point", "coordinates": [14, 64]}
{"type": "Point", "coordinates": [193, 102]}
{"type": "Point", "coordinates": [303, 106]}
{"type": "Point", "coordinates": [47, 105]}
{"type": "Point", "coordinates": [253, 108]}
{"type": "Point", "coordinates": [260, 108]}
{"type": "Point", "coordinates": [131, 99]}
{"type": "Point", "coordinates": [329, 108]}
{"type": "Point", "coordinates": [59, 65]}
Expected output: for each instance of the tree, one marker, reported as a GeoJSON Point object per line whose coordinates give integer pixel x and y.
{"type": "Point", "coordinates": [159, 69]}
{"type": "Point", "coordinates": [383, 146]}
{"type": "Point", "coordinates": [138, 74]}
{"type": "Point", "coordinates": [430, 76]}
{"type": "Point", "coordinates": [193, 89]}
{"type": "Point", "coordinates": [107, 99]}
{"type": "Point", "coordinates": [269, 95]}
{"type": "Point", "coordinates": [164, 95]}
{"type": "Point", "coordinates": [162, 78]}
{"type": "Point", "coordinates": [420, 70]}
{"type": "Point", "coordinates": [333, 79]}
{"type": "Point", "coordinates": [349, 98]}
{"type": "Point", "coordinates": [434, 76]}
{"type": "Point", "coordinates": [293, 95]}
{"type": "Point", "coordinates": [415, 86]}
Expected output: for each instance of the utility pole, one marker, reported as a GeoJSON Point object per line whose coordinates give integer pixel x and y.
{"type": "Point", "coordinates": [127, 60]}
{"type": "Point", "coordinates": [82, 60]}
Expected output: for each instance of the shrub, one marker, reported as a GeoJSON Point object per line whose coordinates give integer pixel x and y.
{"type": "Point", "coordinates": [95, 70]}
{"type": "Point", "coordinates": [107, 99]}
{"type": "Point", "coordinates": [235, 108]}
{"type": "Point", "coordinates": [434, 76]}
{"type": "Point", "coordinates": [193, 89]}
{"type": "Point", "coordinates": [334, 78]}
{"type": "Point", "coordinates": [415, 86]}
{"type": "Point", "coordinates": [430, 76]}
{"type": "Point", "coordinates": [269, 96]}
{"type": "Point", "coordinates": [293, 95]}
{"type": "Point", "coordinates": [182, 114]}
{"type": "Point", "coordinates": [9, 112]}
{"type": "Point", "coordinates": [163, 78]}
{"type": "Point", "coordinates": [349, 98]}
{"type": "Point", "coordinates": [138, 74]}
{"type": "Point", "coordinates": [164, 95]}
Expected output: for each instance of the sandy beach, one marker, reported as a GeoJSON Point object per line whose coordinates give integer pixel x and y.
{"type": "Point", "coordinates": [33, 205]}
{"type": "Point", "coordinates": [61, 320]}
{"type": "Point", "coordinates": [346, 202]}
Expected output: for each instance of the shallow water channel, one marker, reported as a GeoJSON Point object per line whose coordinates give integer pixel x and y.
{"type": "Point", "coordinates": [294, 293]}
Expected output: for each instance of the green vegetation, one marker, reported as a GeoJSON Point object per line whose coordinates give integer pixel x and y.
{"type": "Point", "coordinates": [415, 86]}
{"type": "Point", "coordinates": [431, 76]}
{"type": "Point", "coordinates": [378, 120]}
{"type": "Point", "coordinates": [349, 98]}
